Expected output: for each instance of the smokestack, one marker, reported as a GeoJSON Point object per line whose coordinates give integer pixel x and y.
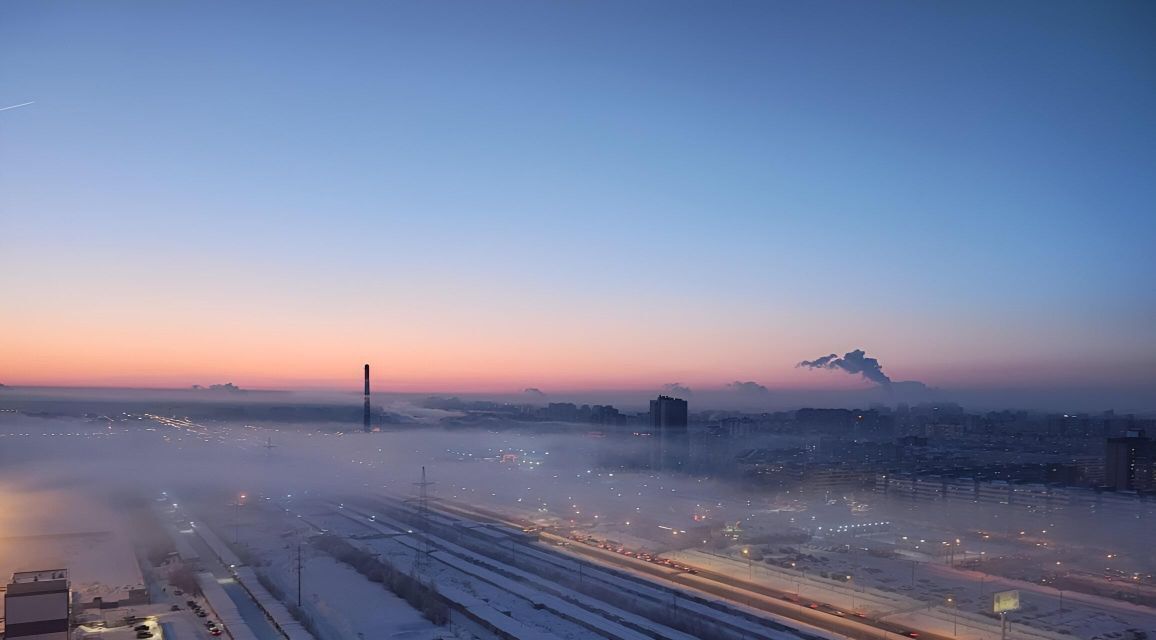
{"type": "Point", "coordinates": [365, 416]}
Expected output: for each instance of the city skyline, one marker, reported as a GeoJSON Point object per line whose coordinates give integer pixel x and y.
{"type": "Point", "coordinates": [579, 197]}
{"type": "Point", "coordinates": [599, 319]}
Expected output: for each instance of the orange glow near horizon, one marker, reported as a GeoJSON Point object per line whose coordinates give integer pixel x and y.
{"type": "Point", "coordinates": [273, 362]}
{"type": "Point", "coordinates": [267, 342]}
{"type": "Point", "coordinates": [433, 348]}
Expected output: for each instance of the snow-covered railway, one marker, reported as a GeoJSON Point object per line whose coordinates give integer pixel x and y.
{"type": "Point", "coordinates": [498, 611]}
{"type": "Point", "coordinates": [499, 542]}
{"type": "Point", "coordinates": [475, 565]}
{"type": "Point", "coordinates": [600, 618]}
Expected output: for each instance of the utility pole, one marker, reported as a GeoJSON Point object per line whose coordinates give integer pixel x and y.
{"type": "Point", "coordinates": [298, 574]}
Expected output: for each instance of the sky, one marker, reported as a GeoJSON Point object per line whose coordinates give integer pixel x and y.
{"type": "Point", "coordinates": [578, 195]}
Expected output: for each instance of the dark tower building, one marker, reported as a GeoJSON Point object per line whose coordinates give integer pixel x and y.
{"type": "Point", "coordinates": [365, 415]}
{"type": "Point", "coordinates": [667, 412]}
{"type": "Point", "coordinates": [1130, 462]}
{"type": "Point", "coordinates": [668, 421]}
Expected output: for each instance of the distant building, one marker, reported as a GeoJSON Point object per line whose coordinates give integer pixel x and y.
{"type": "Point", "coordinates": [668, 413]}
{"type": "Point", "coordinates": [36, 605]}
{"type": "Point", "coordinates": [1089, 470]}
{"type": "Point", "coordinates": [669, 420]}
{"type": "Point", "coordinates": [562, 411]}
{"type": "Point", "coordinates": [737, 427]}
{"type": "Point", "coordinates": [1130, 462]}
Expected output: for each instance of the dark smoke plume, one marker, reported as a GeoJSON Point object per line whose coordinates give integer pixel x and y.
{"type": "Point", "coordinates": [676, 389]}
{"type": "Point", "coordinates": [852, 362]}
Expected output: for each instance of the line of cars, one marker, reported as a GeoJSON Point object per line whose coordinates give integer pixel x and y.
{"type": "Point", "coordinates": [214, 629]}
{"type": "Point", "coordinates": [611, 545]}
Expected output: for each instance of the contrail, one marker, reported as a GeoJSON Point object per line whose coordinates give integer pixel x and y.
{"type": "Point", "coordinates": [17, 106]}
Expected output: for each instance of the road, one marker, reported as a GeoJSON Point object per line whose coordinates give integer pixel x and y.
{"type": "Point", "coordinates": [714, 583]}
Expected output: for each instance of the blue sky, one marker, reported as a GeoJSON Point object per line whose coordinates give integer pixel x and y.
{"type": "Point", "coordinates": [957, 189]}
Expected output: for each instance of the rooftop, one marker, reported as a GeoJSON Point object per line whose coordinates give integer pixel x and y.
{"type": "Point", "coordinates": [21, 577]}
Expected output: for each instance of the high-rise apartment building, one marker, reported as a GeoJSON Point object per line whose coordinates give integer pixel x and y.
{"type": "Point", "coordinates": [668, 413]}
{"type": "Point", "coordinates": [1130, 462]}
{"type": "Point", "coordinates": [669, 421]}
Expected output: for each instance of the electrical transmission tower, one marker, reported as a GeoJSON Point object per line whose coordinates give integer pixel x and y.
{"type": "Point", "coordinates": [421, 560]}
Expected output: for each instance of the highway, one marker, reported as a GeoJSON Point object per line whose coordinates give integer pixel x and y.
{"type": "Point", "coordinates": [781, 603]}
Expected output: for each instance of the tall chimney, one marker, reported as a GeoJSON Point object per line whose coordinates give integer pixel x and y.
{"type": "Point", "coordinates": [365, 417]}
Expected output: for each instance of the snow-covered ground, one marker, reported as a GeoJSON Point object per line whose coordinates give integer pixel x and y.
{"type": "Point", "coordinates": [342, 603]}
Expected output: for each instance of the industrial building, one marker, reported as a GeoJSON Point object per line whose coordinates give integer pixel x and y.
{"type": "Point", "coordinates": [37, 605]}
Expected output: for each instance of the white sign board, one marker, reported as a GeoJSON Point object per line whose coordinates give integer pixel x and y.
{"type": "Point", "coordinates": [1006, 601]}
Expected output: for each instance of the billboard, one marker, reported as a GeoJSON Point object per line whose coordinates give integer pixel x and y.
{"type": "Point", "coordinates": [1006, 601]}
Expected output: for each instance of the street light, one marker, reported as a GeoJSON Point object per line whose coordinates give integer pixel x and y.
{"type": "Point", "coordinates": [750, 565]}
{"type": "Point", "coordinates": [954, 616]}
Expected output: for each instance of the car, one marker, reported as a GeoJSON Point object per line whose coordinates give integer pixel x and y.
{"type": "Point", "coordinates": [209, 624]}
{"type": "Point", "coordinates": [191, 603]}
{"type": "Point", "coordinates": [144, 634]}
{"type": "Point", "coordinates": [143, 627]}
{"type": "Point", "coordinates": [201, 614]}
{"type": "Point", "coordinates": [178, 592]}
{"type": "Point", "coordinates": [175, 607]}
{"type": "Point", "coordinates": [214, 631]}
{"type": "Point", "coordinates": [832, 610]}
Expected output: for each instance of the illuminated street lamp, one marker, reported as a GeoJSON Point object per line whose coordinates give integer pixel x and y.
{"type": "Point", "coordinates": [954, 616]}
